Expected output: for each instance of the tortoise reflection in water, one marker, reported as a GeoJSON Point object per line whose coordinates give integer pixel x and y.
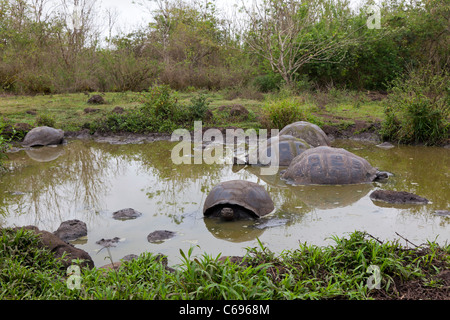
{"type": "Point", "coordinates": [237, 200]}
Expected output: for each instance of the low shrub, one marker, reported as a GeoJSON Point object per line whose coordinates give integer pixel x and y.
{"type": "Point", "coordinates": [278, 114]}
{"type": "Point", "coordinates": [268, 83]}
{"type": "Point", "coordinates": [198, 107]}
{"type": "Point", "coordinates": [45, 120]}
{"type": "Point", "coordinates": [418, 108]}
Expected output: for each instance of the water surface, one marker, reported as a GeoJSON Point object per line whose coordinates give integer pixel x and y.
{"type": "Point", "coordinates": [88, 181]}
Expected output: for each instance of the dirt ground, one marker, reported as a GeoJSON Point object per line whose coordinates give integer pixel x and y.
{"type": "Point", "coordinates": [416, 290]}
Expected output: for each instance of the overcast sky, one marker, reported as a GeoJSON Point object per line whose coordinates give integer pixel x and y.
{"type": "Point", "coordinates": [132, 14]}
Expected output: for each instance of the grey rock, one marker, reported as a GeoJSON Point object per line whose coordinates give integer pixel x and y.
{"type": "Point", "coordinates": [71, 230]}
{"type": "Point", "coordinates": [385, 145]}
{"type": "Point", "coordinates": [107, 243]}
{"type": "Point", "coordinates": [397, 197]}
{"type": "Point", "coordinates": [442, 213]}
{"type": "Point", "coordinates": [160, 236]}
{"type": "Point", "coordinates": [126, 214]}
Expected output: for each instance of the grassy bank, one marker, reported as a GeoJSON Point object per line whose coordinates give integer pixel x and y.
{"type": "Point", "coordinates": [310, 272]}
{"type": "Point", "coordinates": [71, 112]}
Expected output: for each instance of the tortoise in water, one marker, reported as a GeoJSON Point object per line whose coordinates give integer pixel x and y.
{"type": "Point", "coordinates": [330, 166]}
{"type": "Point", "coordinates": [236, 200]}
{"type": "Point", "coordinates": [307, 131]}
{"type": "Point", "coordinates": [288, 148]}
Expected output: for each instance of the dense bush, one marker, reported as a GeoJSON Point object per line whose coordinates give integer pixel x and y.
{"type": "Point", "coordinates": [267, 83]}
{"type": "Point", "coordinates": [276, 114]}
{"type": "Point", "coordinates": [418, 108]}
{"type": "Point", "coordinates": [198, 107]}
{"type": "Point", "coordinates": [190, 46]}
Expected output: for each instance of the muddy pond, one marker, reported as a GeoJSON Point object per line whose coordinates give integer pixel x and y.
{"type": "Point", "coordinates": [89, 180]}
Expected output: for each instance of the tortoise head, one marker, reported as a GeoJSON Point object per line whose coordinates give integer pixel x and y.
{"type": "Point", "coordinates": [227, 213]}
{"type": "Point", "coordinates": [382, 175]}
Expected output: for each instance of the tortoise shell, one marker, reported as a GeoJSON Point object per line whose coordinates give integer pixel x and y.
{"type": "Point", "coordinates": [327, 165]}
{"type": "Point", "coordinates": [288, 148]}
{"type": "Point", "coordinates": [307, 131]}
{"type": "Point", "coordinates": [246, 194]}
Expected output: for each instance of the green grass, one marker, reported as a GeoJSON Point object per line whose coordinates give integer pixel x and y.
{"type": "Point", "coordinates": [310, 272]}
{"type": "Point", "coordinates": [66, 111]}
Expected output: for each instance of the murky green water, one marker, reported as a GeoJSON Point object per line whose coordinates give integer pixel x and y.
{"type": "Point", "coordinates": [89, 181]}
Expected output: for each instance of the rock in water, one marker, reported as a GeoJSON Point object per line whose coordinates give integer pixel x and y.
{"type": "Point", "coordinates": [442, 213]}
{"type": "Point", "coordinates": [43, 136]}
{"type": "Point", "coordinates": [108, 242]}
{"type": "Point", "coordinates": [385, 145]}
{"type": "Point", "coordinates": [160, 235]}
{"type": "Point", "coordinates": [71, 230]}
{"type": "Point", "coordinates": [397, 197]}
{"type": "Point", "coordinates": [126, 214]}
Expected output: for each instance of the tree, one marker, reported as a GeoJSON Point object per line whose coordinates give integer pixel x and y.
{"type": "Point", "coordinates": [291, 33]}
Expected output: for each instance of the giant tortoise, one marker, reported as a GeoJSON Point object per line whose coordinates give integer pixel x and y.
{"type": "Point", "coordinates": [43, 136]}
{"type": "Point", "coordinates": [307, 131]}
{"type": "Point", "coordinates": [236, 200]}
{"type": "Point", "coordinates": [330, 166]}
{"type": "Point", "coordinates": [282, 149]}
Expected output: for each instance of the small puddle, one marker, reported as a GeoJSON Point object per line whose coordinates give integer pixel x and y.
{"type": "Point", "coordinates": [89, 181]}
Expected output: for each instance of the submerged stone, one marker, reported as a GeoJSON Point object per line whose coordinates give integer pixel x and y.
{"type": "Point", "coordinates": [71, 230]}
{"type": "Point", "coordinates": [126, 214]}
{"type": "Point", "coordinates": [160, 235]}
{"type": "Point", "coordinates": [442, 213]}
{"type": "Point", "coordinates": [107, 243]}
{"type": "Point", "coordinates": [397, 197]}
{"type": "Point", "coordinates": [385, 145]}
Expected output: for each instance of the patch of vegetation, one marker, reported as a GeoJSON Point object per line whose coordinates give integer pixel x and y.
{"type": "Point", "coordinates": [160, 111]}
{"type": "Point", "coordinates": [310, 272]}
{"type": "Point", "coordinates": [276, 114]}
{"type": "Point", "coordinates": [418, 109]}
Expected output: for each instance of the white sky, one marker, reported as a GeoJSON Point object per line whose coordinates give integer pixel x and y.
{"type": "Point", "coordinates": [132, 14]}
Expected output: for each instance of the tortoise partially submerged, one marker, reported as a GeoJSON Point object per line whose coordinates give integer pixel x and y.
{"type": "Point", "coordinates": [236, 200]}
{"type": "Point", "coordinates": [309, 132]}
{"type": "Point", "coordinates": [283, 148]}
{"type": "Point", "coordinates": [330, 166]}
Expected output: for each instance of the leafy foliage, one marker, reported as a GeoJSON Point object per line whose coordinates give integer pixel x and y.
{"type": "Point", "coordinates": [279, 113]}
{"type": "Point", "coordinates": [417, 110]}
{"type": "Point", "coordinates": [310, 272]}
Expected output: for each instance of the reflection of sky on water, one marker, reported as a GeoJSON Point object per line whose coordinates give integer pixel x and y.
{"type": "Point", "coordinates": [89, 181]}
